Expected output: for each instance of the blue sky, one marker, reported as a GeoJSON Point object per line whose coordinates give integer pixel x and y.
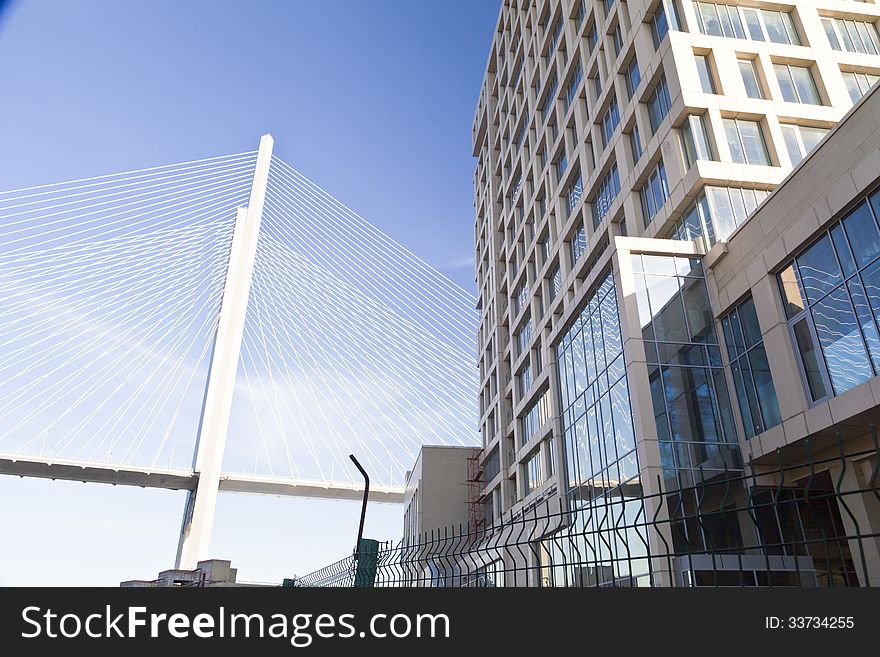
{"type": "Point", "coordinates": [371, 100]}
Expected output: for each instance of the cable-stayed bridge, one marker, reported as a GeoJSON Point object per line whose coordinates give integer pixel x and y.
{"type": "Point", "coordinates": [222, 325]}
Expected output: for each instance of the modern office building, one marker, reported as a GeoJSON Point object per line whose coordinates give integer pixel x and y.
{"type": "Point", "coordinates": [653, 314]}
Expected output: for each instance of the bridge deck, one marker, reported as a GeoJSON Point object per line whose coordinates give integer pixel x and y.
{"type": "Point", "coordinates": [179, 479]}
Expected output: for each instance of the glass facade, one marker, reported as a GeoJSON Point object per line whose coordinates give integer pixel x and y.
{"type": "Point", "coordinates": [601, 465]}
{"type": "Point", "coordinates": [755, 392]}
{"type": "Point", "coordinates": [689, 392]}
{"type": "Point", "coordinates": [832, 300]}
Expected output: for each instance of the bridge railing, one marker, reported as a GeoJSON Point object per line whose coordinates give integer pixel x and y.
{"type": "Point", "coordinates": [810, 521]}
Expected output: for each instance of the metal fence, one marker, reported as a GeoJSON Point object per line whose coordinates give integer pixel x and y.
{"type": "Point", "coordinates": [813, 521]}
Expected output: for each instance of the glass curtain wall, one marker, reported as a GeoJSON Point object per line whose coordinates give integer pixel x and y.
{"type": "Point", "coordinates": [603, 485]}
{"type": "Point", "coordinates": [689, 392]}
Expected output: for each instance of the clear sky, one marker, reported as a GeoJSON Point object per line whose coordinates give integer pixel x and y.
{"type": "Point", "coordinates": [371, 99]}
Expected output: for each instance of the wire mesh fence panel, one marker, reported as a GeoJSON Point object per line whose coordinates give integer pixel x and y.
{"type": "Point", "coordinates": [813, 520]}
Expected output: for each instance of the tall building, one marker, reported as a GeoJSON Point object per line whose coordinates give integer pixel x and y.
{"type": "Point", "coordinates": [650, 318]}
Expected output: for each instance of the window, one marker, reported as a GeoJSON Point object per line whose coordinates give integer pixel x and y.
{"type": "Point", "coordinates": [632, 77]}
{"type": "Point", "coordinates": [554, 40]}
{"type": "Point", "coordinates": [695, 140]}
{"type": "Point", "coordinates": [521, 135]}
{"type": "Point", "coordinates": [597, 85]}
{"type": "Point", "coordinates": [521, 298]}
{"type": "Point", "coordinates": [608, 5]}
{"type": "Point", "coordinates": [852, 36]}
{"type": "Point", "coordinates": [752, 380]}
{"type": "Point", "coordinates": [609, 187]}
{"type": "Point", "coordinates": [635, 143]}
{"type": "Point", "coordinates": [524, 380]}
{"type": "Point", "coordinates": [581, 13]}
{"type": "Point", "coordinates": [780, 27]}
{"type": "Point", "coordinates": [658, 104]}
{"type": "Point", "coordinates": [746, 141]}
{"type": "Point", "coordinates": [750, 78]}
{"type": "Point", "coordinates": [534, 473]}
{"type": "Point", "coordinates": [547, 105]}
{"type": "Point", "coordinates": [705, 72]}
{"type": "Point", "coordinates": [800, 140]}
{"type": "Point", "coordinates": [716, 213]}
{"type": "Point", "coordinates": [555, 283]}
{"type": "Point", "coordinates": [535, 417]}
{"type": "Point", "coordinates": [578, 244]}
{"type": "Point", "coordinates": [561, 164]}
{"type": "Point", "coordinates": [592, 38]}
{"type": "Point", "coordinates": [609, 122]}
{"type": "Point", "coordinates": [575, 190]}
{"type": "Point", "coordinates": [858, 84]}
{"type": "Point", "coordinates": [663, 20]}
{"type": "Point", "coordinates": [544, 247]}
{"type": "Point", "coordinates": [617, 40]}
{"type": "Point", "coordinates": [746, 23]}
{"type": "Point", "coordinates": [830, 293]}
{"type": "Point", "coordinates": [797, 84]}
{"type": "Point", "coordinates": [654, 193]}
{"type": "Point", "coordinates": [573, 84]}
{"type": "Point", "coordinates": [523, 336]}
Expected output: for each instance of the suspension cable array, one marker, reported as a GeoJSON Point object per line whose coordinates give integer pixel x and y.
{"type": "Point", "coordinates": [112, 288]}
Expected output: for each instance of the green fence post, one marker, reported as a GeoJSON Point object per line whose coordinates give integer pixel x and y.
{"type": "Point", "coordinates": [367, 563]}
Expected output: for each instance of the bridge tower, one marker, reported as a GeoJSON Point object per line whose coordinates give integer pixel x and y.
{"type": "Point", "coordinates": [201, 503]}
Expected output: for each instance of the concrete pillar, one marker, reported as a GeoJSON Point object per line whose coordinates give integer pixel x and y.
{"type": "Point", "coordinates": [860, 513]}
{"type": "Point", "coordinates": [198, 518]}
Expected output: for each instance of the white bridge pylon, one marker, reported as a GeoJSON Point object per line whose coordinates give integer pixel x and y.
{"type": "Point", "coordinates": [142, 323]}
